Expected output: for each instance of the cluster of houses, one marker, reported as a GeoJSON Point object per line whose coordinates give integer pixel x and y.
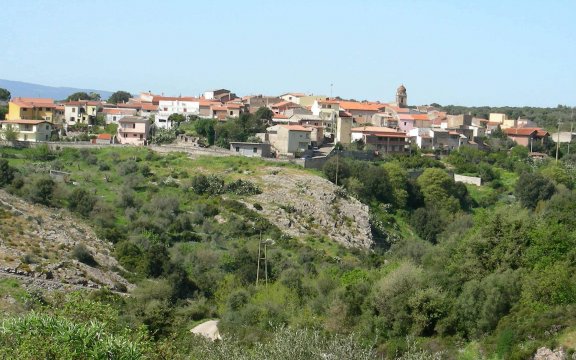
{"type": "Point", "coordinates": [300, 122]}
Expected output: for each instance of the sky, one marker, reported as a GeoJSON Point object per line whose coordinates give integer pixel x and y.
{"type": "Point", "coordinates": [473, 52]}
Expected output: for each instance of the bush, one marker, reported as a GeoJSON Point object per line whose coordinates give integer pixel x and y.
{"type": "Point", "coordinates": [82, 254]}
{"type": "Point", "coordinates": [6, 173]}
{"type": "Point", "coordinates": [81, 202]}
{"type": "Point", "coordinates": [42, 191]}
{"type": "Point", "coordinates": [46, 336]}
{"type": "Point", "coordinates": [532, 188]}
{"type": "Point", "coordinates": [243, 187]}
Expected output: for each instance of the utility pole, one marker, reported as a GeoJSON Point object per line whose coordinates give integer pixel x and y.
{"type": "Point", "coordinates": [557, 142]}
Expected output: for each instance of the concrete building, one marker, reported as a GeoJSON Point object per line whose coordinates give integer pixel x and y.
{"type": "Point", "coordinates": [344, 128]}
{"type": "Point", "coordinates": [133, 130]}
{"type": "Point", "coordinates": [386, 140]}
{"type": "Point", "coordinates": [362, 112]}
{"type": "Point", "coordinates": [31, 109]}
{"type": "Point", "coordinates": [292, 97]}
{"type": "Point", "coordinates": [174, 105]}
{"type": "Point", "coordinates": [113, 115]}
{"type": "Point", "coordinates": [328, 111]}
{"type": "Point", "coordinates": [27, 130]}
{"type": "Point", "coordinates": [290, 139]}
{"type": "Point", "coordinates": [526, 136]}
{"type": "Point", "coordinates": [80, 112]}
{"type": "Point", "coordinates": [251, 149]}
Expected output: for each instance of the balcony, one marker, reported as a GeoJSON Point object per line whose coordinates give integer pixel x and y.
{"type": "Point", "coordinates": [131, 131]}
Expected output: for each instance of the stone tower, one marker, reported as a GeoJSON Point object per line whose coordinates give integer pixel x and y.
{"type": "Point", "coordinates": [401, 97]}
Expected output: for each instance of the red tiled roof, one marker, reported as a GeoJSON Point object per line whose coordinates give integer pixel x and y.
{"type": "Point", "coordinates": [112, 111]}
{"type": "Point", "coordinates": [104, 136]}
{"type": "Point", "coordinates": [296, 128]}
{"type": "Point", "coordinates": [520, 131]}
{"type": "Point", "coordinates": [157, 99]}
{"type": "Point", "coordinates": [359, 106]}
{"type": "Point", "coordinates": [405, 117]}
{"type": "Point", "coordinates": [343, 113]}
{"type": "Point", "coordinates": [149, 107]}
{"type": "Point", "coordinates": [285, 104]}
{"type": "Point", "coordinates": [82, 102]}
{"type": "Point", "coordinates": [279, 116]}
{"type": "Point", "coordinates": [377, 130]}
{"type": "Point", "coordinates": [420, 116]}
{"type": "Point", "coordinates": [30, 122]}
{"type": "Point", "coordinates": [33, 102]}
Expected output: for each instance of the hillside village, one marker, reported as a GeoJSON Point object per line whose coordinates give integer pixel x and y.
{"type": "Point", "coordinates": [333, 228]}
{"type": "Point", "coordinates": [296, 124]}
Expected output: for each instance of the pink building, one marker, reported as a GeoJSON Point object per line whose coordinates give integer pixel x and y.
{"type": "Point", "coordinates": [133, 130]}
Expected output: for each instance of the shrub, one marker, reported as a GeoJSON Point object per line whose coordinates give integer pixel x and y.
{"type": "Point", "coordinates": [42, 191]}
{"type": "Point", "coordinates": [6, 173]}
{"type": "Point", "coordinates": [81, 202]}
{"type": "Point", "coordinates": [82, 254]}
{"type": "Point", "coordinates": [243, 187]}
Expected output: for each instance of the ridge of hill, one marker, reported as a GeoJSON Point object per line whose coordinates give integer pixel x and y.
{"type": "Point", "coordinates": [25, 89]}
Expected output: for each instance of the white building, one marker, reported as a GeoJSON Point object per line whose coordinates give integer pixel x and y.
{"type": "Point", "coordinates": [175, 105]}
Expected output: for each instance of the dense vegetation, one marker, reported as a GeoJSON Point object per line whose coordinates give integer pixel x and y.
{"type": "Point", "coordinates": [545, 117]}
{"type": "Point", "coordinates": [458, 271]}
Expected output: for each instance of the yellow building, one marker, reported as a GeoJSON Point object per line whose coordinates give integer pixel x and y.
{"type": "Point", "coordinates": [31, 109]}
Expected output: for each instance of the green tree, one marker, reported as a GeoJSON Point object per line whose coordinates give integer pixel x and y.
{"type": "Point", "coordinates": [264, 113]}
{"type": "Point", "coordinates": [81, 95]}
{"type": "Point", "coordinates": [10, 133]}
{"type": "Point", "coordinates": [3, 112]}
{"type": "Point", "coordinates": [532, 188]}
{"type": "Point", "coordinates": [119, 97]}
{"type": "Point", "coordinates": [438, 190]}
{"type": "Point", "coordinates": [42, 191]}
{"type": "Point", "coordinates": [176, 118]}
{"type": "Point", "coordinates": [81, 201]}
{"type": "Point", "coordinates": [6, 173]}
{"type": "Point", "coordinates": [336, 165]}
{"type": "Point", "coordinates": [5, 95]}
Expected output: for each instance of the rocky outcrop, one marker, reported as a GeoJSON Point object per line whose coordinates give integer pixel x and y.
{"type": "Point", "coordinates": [37, 243]}
{"type": "Point", "coordinates": [544, 353]}
{"type": "Point", "coordinates": [301, 204]}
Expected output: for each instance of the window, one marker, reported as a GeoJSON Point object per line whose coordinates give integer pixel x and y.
{"type": "Point", "coordinates": [254, 150]}
{"type": "Point", "coordinates": [125, 135]}
{"type": "Point", "coordinates": [231, 112]}
{"type": "Point", "coordinates": [25, 137]}
{"type": "Point", "coordinates": [72, 119]}
{"type": "Point", "coordinates": [73, 109]}
{"type": "Point", "coordinates": [404, 123]}
{"type": "Point", "coordinates": [133, 126]}
{"type": "Point", "coordinates": [165, 109]}
{"type": "Point", "coordinates": [237, 148]}
{"type": "Point", "coordinates": [113, 118]}
{"type": "Point", "coordinates": [185, 110]}
{"type": "Point", "coordinates": [141, 136]}
{"type": "Point", "coordinates": [47, 127]}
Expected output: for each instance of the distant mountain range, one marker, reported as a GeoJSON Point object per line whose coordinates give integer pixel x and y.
{"type": "Point", "coordinates": [23, 89]}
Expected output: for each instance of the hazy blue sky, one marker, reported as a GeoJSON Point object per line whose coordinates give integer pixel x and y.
{"type": "Point", "coordinates": [467, 52]}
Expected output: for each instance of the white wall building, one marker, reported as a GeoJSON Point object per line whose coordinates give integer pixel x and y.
{"type": "Point", "coordinates": [180, 105]}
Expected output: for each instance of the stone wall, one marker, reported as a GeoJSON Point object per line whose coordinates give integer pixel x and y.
{"type": "Point", "coordinates": [473, 180]}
